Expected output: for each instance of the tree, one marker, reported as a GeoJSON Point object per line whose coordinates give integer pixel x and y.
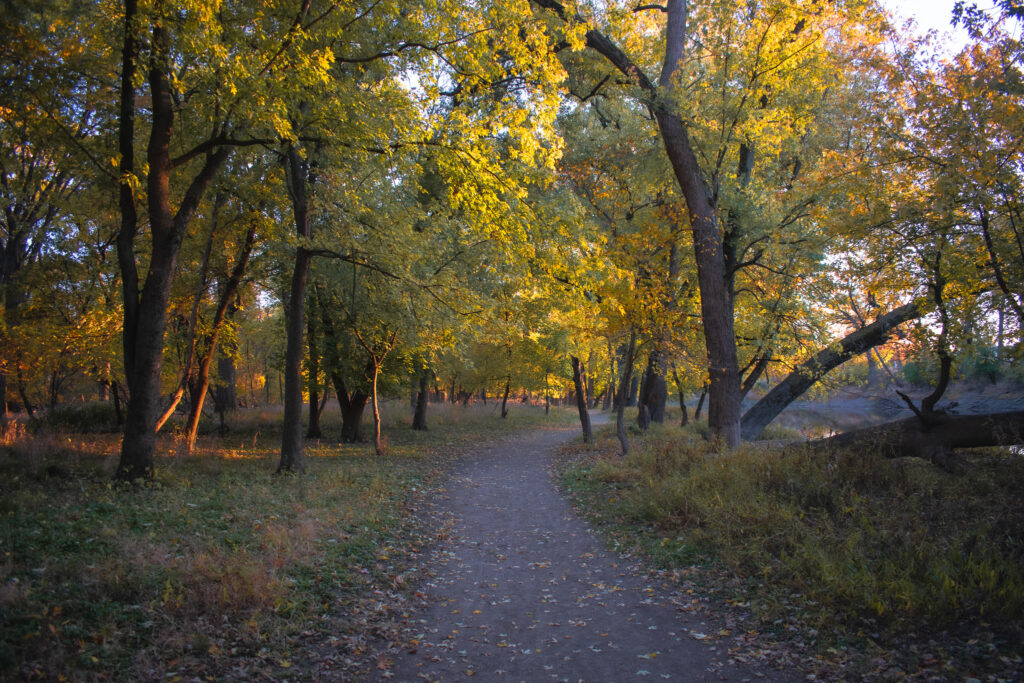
{"type": "Point", "coordinates": [227, 94]}
{"type": "Point", "coordinates": [778, 46]}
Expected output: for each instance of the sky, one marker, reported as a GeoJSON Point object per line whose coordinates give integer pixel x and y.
{"type": "Point", "coordinates": [931, 14]}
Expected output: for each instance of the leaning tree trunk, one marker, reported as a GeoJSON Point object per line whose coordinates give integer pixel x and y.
{"type": "Point", "coordinates": [807, 373]}
{"type": "Point", "coordinates": [419, 420]}
{"type": "Point", "coordinates": [227, 297]}
{"type": "Point", "coordinates": [700, 401]}
{"type": "Point", "coordinates": [579, 374]}
{"type": "Point", "coordinates": [934, 436]}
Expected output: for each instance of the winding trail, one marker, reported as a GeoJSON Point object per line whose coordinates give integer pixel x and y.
{"type": "Point", "coordinates": [523, 590]}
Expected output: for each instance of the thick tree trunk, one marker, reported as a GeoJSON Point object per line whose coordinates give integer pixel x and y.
{"type": "Point", "coordinates": [579, 373]}
{"type": "Point", "coordinates": [807, 373]}
{"type": "Point", "coordinates": [144, 340]}
{"type": "Point", "coordinates": [292, 455]}
{"type": "Point", "coordinates": [654, 396]}
{"type": "Point", "coordinates": [352, 418]}
{"type": "Point", "coordinates": [419, 420]}
{"type": "Point", "coordinates": [934, 438]}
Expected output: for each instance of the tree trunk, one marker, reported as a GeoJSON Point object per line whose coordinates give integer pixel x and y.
{"type": "Point", "coordinates": [807, 373]}
{"type": "Point", "coordinates": [115, 392]}
{"type": "Point", "coordinates": [313, 378]}
{"type": "Point", "coordinates": [419, 420]}
{"type": "Point", "coordinates": [504, 399]}
{"type": "Point", "coordinates": [352, 418]}
{"type": "Point", "coordinates": [144, 331]}
{"type": "Point", "coordinates": [700, 401]}
{"type": "Point", "coordinates": [712, 276]}
{"type": "Point", "coordinates": [643, 418]}
{"type": "Point", "coordinates": [225, 396]}
{"type": "Point", "coordinates": [654, 396]}
{"type": "Point", "coordinates": [579, 375]}
{"type": "Point", "coordinates": [378, 446]}
{"type": "Point", "coordinates": [4, 423]}
{"type": "Point", "coordinates": [627, 372]}
{"type": "Point", "coordinates": [634, 387]}
{"type": "Point", "coordinates": [226, 299]}
{"type": "Point", "coordinates": [547, 394]}
{"type": "Point", "coordinates": [611, 396]}
{"type": "Point", "coordinates": [935, 437]}
{"type": "Point", "coordinates": [292, 455]}
{"type": "Point", "coordinates": [685, 419]}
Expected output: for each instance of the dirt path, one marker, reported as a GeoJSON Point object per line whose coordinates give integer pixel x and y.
{"type": "Point", "coordinates": [523, 590]}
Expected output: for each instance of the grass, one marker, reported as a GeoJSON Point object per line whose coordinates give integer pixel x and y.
{"type": "Point", "coordinates": [218, 568]}
{"type": "Point", "coordinates": [843, 544]}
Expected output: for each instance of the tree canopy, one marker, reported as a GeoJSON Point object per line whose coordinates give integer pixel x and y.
{"type": "Point", "coordinates": [289, 199]}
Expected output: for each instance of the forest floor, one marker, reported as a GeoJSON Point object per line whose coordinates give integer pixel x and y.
{"type": "Point", "coordinates": [520, 588]}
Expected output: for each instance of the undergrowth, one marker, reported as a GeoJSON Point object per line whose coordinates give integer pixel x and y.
{"type": "Point", "coordinates": [218, 568]}
{"type": "Point", "coordinates": [841, 543]}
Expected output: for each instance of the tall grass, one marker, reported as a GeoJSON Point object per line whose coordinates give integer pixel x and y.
{"type": "Point", "coordinates": [842, 540]}
{"type": "Point", "coordinates": [218, 568]}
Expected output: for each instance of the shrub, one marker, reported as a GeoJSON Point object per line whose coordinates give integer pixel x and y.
{"type": "Point", "coordinates": [854, 536]}
{"type": "Point", "coordinates": [87, 418]}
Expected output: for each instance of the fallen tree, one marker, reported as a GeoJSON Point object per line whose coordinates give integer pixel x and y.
{"type": "Point", "coordinates": [934, 436]}
{"type": "Point", "coordinates": [807, 373]}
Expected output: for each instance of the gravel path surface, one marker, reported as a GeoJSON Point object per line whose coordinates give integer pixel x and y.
{"type": "Point", "coordinates": [523, 590]}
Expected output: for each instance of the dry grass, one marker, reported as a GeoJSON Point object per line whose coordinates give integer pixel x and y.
{"type": "Point", "coordinates": [842, 543]}
{"type": "Point", "coordinates": [218, 568]}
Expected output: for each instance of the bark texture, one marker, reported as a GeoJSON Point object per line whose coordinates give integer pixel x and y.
{"type": "Point", "coordinates": [292, 455]}
{"type": "Point", "coordinates": [936, 437]}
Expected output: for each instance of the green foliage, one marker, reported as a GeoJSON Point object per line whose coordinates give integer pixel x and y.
{"type": "Point", "coordinates": [835, 541]}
